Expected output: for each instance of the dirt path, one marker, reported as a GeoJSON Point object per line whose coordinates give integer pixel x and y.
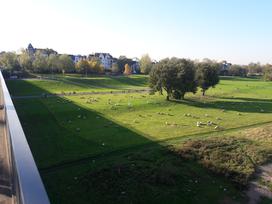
{"type": "Point", "coordinates": [258, 188]}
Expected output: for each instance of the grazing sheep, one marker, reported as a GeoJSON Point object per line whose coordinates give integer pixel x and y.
{"type": "Point", "coordinates": [218, 128]}
{"type": "Point", "coordinates": [135, 121]}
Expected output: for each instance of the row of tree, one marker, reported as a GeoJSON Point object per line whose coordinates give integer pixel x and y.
{"type": "Point", "coordinates": [43, 63]}
{"type": "Point", "coordinates": [179, 76]}
{"type": "Point", "coordinates": [252, 69]}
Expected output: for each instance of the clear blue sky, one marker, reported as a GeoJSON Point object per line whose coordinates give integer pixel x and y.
{"type": "Point", "coordinates": [239, 31]}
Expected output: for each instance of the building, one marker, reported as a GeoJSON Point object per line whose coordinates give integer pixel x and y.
{"type": "Point", "coordinates": [77, 58]}
{"type": "Point", "coordinates": [46, 52]}
{"type": "Point", "coordinates": [135, 65]}
{"type": "Point", "coordinates": [225, 68]}
{"type": "Point", "coordinates": [105, 58]}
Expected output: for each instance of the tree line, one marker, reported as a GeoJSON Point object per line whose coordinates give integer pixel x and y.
{"type": "Point", "coordinates": [42, 62]}
{"type": "Point", "coordinates": [46, 63]}
{"type": "Point", "coordinates": [49, 62]}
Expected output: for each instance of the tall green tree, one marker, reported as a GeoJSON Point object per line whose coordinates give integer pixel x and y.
{"type": "Point", "coordinates": [9, 61]}
{"type": "Point", "coordinates": [66, 64]}
{"type": "Point", "coordinates": [53, 63]}
{"type": "Point", "coordinates": [207, 75]}
{"type": "Point", "coordinates": [174, 76]}
{"type": "Point", "coordinates": [145, 64]}
{"type": "Point", "coordinates": [25, 60]}
{"type": "Point", "coordinates": [40, 63]}
{"type": "Point", "coordinates": [83, 66]}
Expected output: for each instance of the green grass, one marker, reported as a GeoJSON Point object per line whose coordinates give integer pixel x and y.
{"type": "Point", "coordinates": [79, 141]}
{"type": "Point", "coordinates": [75, 83]}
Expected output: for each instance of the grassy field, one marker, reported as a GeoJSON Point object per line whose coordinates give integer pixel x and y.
{"type": "Point", "coordinates": [75, 83]}
{"type": "Point", "coordinates": [139, 148]}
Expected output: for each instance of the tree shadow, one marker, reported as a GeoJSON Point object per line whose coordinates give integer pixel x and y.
{"type": "Point", "coordinates": [245, 105]}
{"type": "Point", "coordinates": [232, 78]}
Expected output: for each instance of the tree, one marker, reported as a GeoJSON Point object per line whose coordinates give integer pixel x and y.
{"type": "Point", "coordinates": [207, 75]}
{"type": "Point", "coordinates": [40, 63]}
{"type": "Point", "coordinates": [254, 68]}
{"type": "Point", "coordinates": [65, 64]}
{"type": "Point", "coordinates": [237, 70]}
{"type": "Point", "coordinates": [96, 66]}
{"type": "Point", "coordinates": [53, 63]}
{"type": "Point", "coordinates": [122, 61]}
{"type": "Point", "coordinates": [115, 68]}
{"type": "Point", "coordinates": [25, 60]}
{"type": "Point", "coordinates": [145, 64]}
{"type": "Point", "coordinates": [83, 66]}
{"type": "Point", "coordinates": [175, 76]}
{"type": "Point", "coordinates": [268, 72]}
{"type": "Point", "coordinates": [9, 61]}
{"type": "Point", "coordinates": [128, 70]}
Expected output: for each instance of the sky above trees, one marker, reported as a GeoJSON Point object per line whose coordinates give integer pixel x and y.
{"type": "Point", "coordinates": [238, 31]}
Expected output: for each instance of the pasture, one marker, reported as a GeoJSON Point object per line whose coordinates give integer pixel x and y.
{"type": "Point", "coordinates": [136, 147]}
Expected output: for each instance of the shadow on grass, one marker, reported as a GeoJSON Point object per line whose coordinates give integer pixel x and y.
{"type": "Point", "coordinates": [246, 105]}
{"type": "Point", "coordinates": [233, 78]}
{"type": "Point", "coordinates": [84, 156]}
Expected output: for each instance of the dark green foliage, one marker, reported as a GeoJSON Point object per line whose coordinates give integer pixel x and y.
{"type": "Point", "coordinates": [175, 76]}
{"type": "Point", "coordinates": [207, 76]}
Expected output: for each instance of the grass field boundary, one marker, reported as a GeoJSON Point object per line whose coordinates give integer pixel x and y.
{"type": "Point", "coordinates": [162, 143]}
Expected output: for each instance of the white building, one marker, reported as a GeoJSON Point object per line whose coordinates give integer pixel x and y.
{"type": "Point", "coordinates": [106, 60]}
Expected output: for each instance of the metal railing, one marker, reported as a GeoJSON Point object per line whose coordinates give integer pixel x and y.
{"type": "Point", "coordinates": [28, 185]}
